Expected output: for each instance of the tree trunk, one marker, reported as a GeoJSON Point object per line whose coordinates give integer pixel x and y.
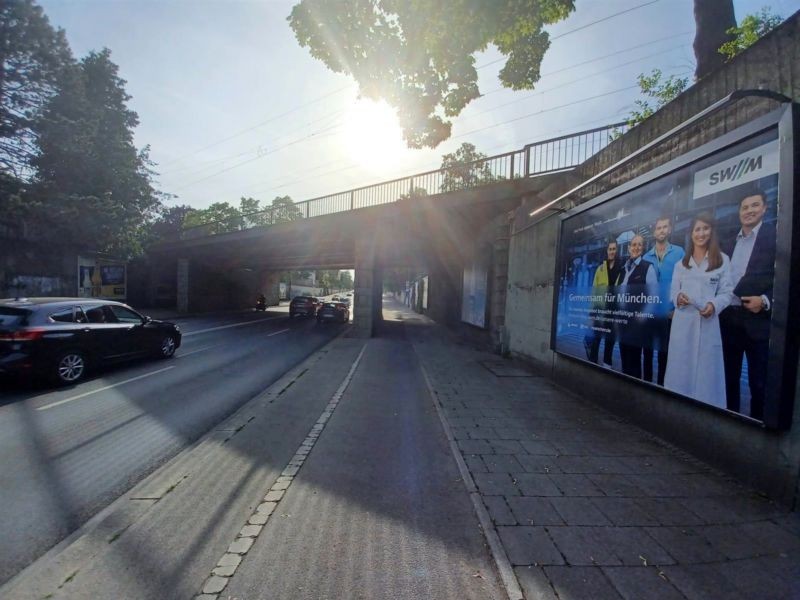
{"type": "Point", "coordinates": [712, 19]}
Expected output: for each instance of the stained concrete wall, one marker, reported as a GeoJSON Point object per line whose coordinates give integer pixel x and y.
{"type": "Point", "coordinates": [769, 460]}
{"type": "Point", "coordinates": [33, 269]}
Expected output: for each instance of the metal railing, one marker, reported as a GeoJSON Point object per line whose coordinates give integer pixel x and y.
{"type": "Point", "coordinates": [539, 158]}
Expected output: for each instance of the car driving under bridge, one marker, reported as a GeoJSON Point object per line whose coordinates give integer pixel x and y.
{"type": "Point", "coordinates": [436, 222]}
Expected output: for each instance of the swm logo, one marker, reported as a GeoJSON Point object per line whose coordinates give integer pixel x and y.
{"type": "Point", "coordinates": [742, 168]}
{"type": "Point", "coordinates": [732, 173]}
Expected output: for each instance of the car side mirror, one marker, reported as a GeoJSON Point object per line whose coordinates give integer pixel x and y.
{"type": "Point", "coordinates": [146, 319]}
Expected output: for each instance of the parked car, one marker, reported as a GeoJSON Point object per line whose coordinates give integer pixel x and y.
{"type": "Point", "coordinates": [303, 305]}
{"type": "Point", "coordinates": [345, 300]}
{"type": "Point", "coordinates": [333, 311]}
{"type": "Point", "coordinates": [62, 338]}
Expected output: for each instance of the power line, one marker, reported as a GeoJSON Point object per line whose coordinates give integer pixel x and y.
{"type": "Point", "coordinates": [552, 108]}
{"type": "Point", "coordinates": [249, 129]}
{"type": "Point", "coordinates": [561, 35]}
{"type": "Point", "coordinates": [193, 168]}
{"type": "Point", "coordinates": [568, 83]}
{"type": "Point", "coordinates": [297, 141]}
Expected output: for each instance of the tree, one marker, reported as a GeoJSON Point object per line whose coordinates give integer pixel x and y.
{"type": "Point", "coordinates": [463, 169]}
{"type": "Point", "coordinates": [661, 92]}
{"type": "Point", "coordinates": [220, 217]}
{"type": "Point", "coordinates": [32, 55]}
{"type": "Point", "coordinates": [415, 192]}
{"type": "Point", "coordinates": [753, 28]}
{"type": "Point", "coordinates": [90, 178]}
{"type": "Point", "coordinates": [713, 20]}
{"type": "Point", "coordinates": [169, 222]}
{"type": "Point", "coordinates": [253, 215]}
{"type": "Point", "coordinates": [284, 210]}
{"type": "Point", "coordinates": [419, 55]}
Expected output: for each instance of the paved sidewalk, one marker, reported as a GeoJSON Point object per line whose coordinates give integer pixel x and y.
{"type": "Point", "coordinates": [589, 506]}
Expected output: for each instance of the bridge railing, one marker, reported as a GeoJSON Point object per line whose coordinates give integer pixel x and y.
{"type": "Point", "coordinates": [539, 158]}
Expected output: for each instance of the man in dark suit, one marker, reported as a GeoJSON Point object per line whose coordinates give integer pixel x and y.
{"type": "Point", "coordinates": [745, 323]}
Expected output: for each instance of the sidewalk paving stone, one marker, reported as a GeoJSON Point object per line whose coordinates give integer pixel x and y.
{"type": "Point", "coordinates": [587, 505]}
{"type": "Point", "coordinates": [534, 511]}
{"type": "Point", "coordinates": [529, 546]}
{"type": "Point", "coordinates": [534, 583]}
{"type": "Point", "coordinates": [581, 582]}
{"type": "Point", "coordinates": [636, 583]}
{"type": "Point", "coordinates": [579, 511]}
{"type": "Point", "coordinates": [502, 463]}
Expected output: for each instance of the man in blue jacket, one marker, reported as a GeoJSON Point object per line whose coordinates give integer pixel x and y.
{"type": "Point", "coordinates": [663, 256]}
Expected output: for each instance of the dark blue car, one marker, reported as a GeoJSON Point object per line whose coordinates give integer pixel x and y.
{"type": "Point", "coordinates": [61, 338]}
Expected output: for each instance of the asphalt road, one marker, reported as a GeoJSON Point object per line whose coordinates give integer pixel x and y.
{"type": "Point", "coordinates": [68, 453]}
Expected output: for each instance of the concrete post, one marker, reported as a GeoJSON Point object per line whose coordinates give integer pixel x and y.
{"type": "Point", "coordinates": [270, 286]}
{"type": "Point", "coordinates": [366, 302]}
{"type": "Point", "coordinates": [182, 285]}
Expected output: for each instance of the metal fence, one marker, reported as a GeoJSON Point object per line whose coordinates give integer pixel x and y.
{"type": "Point", "coordinates": [539, 158]}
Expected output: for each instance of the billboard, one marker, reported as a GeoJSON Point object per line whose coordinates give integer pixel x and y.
{"type": "Point", "coordinates": [101, 278]}
{"type": "Point", "coordinates": [674, 279]}
{"type": "Point", "coordinates": [474, 290]}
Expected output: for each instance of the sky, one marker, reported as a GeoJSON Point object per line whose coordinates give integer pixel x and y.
{"type": "Point", "coordinates": [231, 105]}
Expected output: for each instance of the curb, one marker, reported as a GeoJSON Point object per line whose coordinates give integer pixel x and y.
{"type": "Point", "coordinates": [507, 576]}
{"type": "Point", "coordinates": [134, 504]}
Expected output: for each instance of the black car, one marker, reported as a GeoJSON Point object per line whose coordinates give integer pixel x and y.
{"type": "Point", "coordinates": [60, 338]}
{"type": "Point", "coordinates": [333, 311]}
{"type": "Point", "coordinates": [303, 305]}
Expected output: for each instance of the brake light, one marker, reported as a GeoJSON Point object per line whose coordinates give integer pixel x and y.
{"type": "Point", "coordinates": [23, 335]}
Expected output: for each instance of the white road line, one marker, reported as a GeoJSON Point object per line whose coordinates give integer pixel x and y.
{"type": "Point", "coordinates": [277, 332]}
{"type": "Point", "coordinates": [183, 354]}
{"type": "Point", "coordinates": [188, 333]}
{"type": "Point", "coordinates": [102, 389]}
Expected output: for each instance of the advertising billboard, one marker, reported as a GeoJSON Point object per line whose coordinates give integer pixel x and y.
{"type": "Point", "coordinates": [674, 279]}
{"type": "Point", "coordinates": [474, 290]}
{"type": "Point", "coordinates": [101, 278]}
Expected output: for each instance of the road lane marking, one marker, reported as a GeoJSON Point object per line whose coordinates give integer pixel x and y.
{"type": "Point", "coordinates": [188, 333]}
{"type": "Point", "coordinates": [277, 332]}
{"type": "Point", "coordinates": [184, 354]}
{"type": "Point", "coordinates": [229, 562]}
{"type": "Point", "coordinates": [102, 389]}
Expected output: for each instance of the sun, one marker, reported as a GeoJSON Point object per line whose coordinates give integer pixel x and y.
{"type": "Point", "coordinates": [373, 136]}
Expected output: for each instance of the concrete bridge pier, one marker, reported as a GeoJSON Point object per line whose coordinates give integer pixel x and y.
{"type": "Point", "coordinates": [367, 300]}
{"type": "Point", "coordinates": [268, 283]}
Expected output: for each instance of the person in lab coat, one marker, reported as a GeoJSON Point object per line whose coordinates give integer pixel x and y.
{"type": "Point", "coordinates": [701, 289]}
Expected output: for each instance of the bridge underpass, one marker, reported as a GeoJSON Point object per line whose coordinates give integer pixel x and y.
{"type": "Point", "coordinates": [432, 234]}
{"type": "Point", "coordinates": [436, 222]}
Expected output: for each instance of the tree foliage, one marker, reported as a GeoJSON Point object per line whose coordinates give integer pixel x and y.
{"type": "Point", "coordinates": [659, 91]}
{"type": "Point", "coordinates": [89, 176]}
{"type": "Point", "coordinates": [464, 169]}
{"type": "Point", "coordinates": [752, 28]}
{"type": "Point", "coordinates": [419, 55]}
{"type": "Point", "coordinates": [71, 169]}
{"type": "Point", "coordinates": [32, 56]}
{"type": "Point", "coordinates": [222, 217]}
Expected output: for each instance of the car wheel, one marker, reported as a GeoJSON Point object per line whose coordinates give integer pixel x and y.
{"type": "Point", "coordinates": [167, 347]}
{"type": "Point", "coordinates": [70, 367]}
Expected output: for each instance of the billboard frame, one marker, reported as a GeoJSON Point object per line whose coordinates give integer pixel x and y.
{"type": "Point", "coordinates": [784, 330]}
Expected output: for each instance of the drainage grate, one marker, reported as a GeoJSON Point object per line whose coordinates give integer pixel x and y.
{"type": "Point", "coordinates": [504, 369]}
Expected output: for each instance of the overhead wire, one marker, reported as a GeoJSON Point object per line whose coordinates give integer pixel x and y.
{"type": "Point", "coordinates": [305, 138]}
{"type": "Point", "coordinates": [582, 27]}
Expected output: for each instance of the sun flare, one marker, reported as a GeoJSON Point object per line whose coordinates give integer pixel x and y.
{"type": "Point", "coordinates": [372, 134]}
